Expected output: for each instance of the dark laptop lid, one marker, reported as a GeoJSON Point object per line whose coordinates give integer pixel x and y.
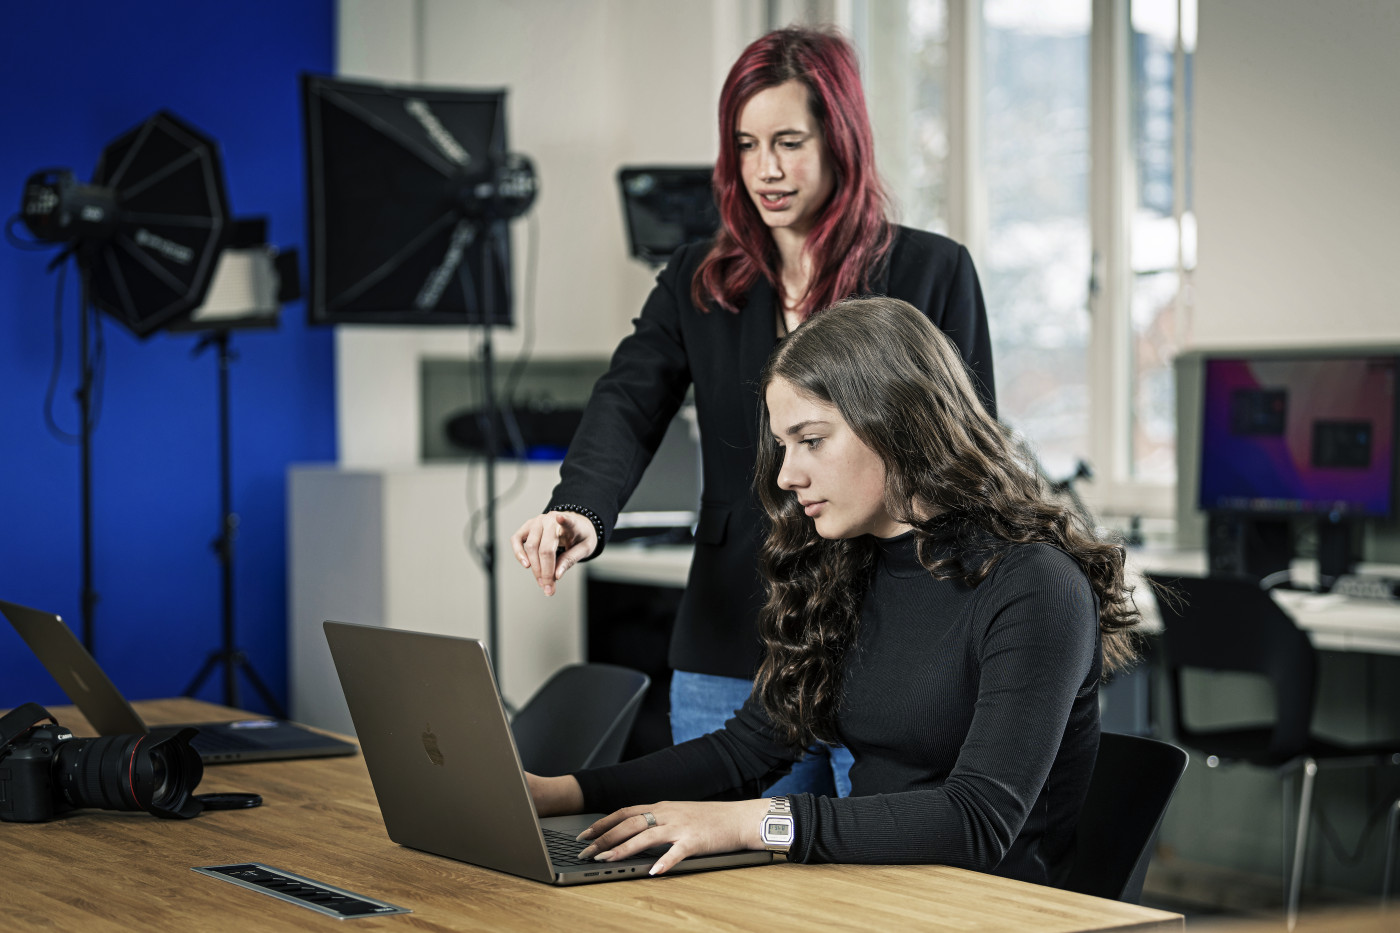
{"type": "Point", "coordinates": [103, 705]}
{"type": "Point", "coordinates": [443, 760]}
{"type": "Point", "coordinates": [438, 747]}
{"type": "Point", "coordinates": [69, 663]}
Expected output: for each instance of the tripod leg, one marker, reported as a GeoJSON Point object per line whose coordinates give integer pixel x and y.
{"type": "Point", "coordinates": [204, 672]}
{"type": "Point", "coordinates": [268, 699]}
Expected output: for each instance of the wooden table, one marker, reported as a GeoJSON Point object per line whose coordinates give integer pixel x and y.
{"type": "Point", "coordinates": [98, 870]}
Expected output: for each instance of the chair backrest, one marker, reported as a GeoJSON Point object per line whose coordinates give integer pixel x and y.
{"type": "Point", "coordinates": [1132, 783]}
{"type": "Point", "coordinates": [1222, 624]}
{"type": "Point", "coordinates": [580, 718]}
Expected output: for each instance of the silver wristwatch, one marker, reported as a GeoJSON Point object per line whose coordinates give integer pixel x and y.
{"type": "Point", "coordinates": [777, 829]}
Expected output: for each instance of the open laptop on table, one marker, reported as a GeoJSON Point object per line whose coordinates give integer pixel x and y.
{"type": "Point", "coordinates": [445, 768]}
{"type": "Point", "coordinates": [99, 700]}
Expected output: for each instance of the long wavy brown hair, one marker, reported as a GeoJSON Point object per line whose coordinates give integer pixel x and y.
{"type": "Point", "coordinates": [964, 483]}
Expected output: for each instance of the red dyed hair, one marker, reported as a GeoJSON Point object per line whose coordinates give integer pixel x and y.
{"type": "Point", "coordinates": [851, 236]}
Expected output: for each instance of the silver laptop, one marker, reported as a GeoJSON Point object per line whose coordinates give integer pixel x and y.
{"type": "Point", "coordinates": [103, 705]}
{"type": "Point", "coordinates": [444, 765]}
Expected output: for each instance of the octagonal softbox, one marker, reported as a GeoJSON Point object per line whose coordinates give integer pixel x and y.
{"type": "Point", "coordinates": [391, 170]}
{"type": "Point", "coordinates": [172, 215]}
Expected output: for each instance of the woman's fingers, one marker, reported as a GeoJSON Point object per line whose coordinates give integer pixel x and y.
{"type": "Point", "coordinates": [546, 553]}
{"type": "Point", "coordinates": [526, 545]}
{"type": "Point", "coordinates": [535, 545]}
{"type": "Point", "coordinates": [689, 828]}
{"type": "Point", "coordinates": [673, 857]}
{"type": "Point", "coordinates": [521, 540]}
{"type": "Point", "coordinates": [615, 828]}
{"type": "Point", "coordinates": [549, 545]}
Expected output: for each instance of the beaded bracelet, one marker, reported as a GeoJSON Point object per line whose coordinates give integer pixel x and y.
{"type": "Point", "coordinates": [587, 513]}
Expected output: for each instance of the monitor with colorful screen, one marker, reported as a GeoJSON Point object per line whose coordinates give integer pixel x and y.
{"type": "Point", "coordinates": [1300, 435]}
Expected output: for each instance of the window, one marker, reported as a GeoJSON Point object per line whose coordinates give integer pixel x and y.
{"type": "Point", "coordinates": [1037, 250]}
{"type": "Point", "coordinates": [1053, 138]}
{"type": "Point", "coordinates": [1163, 227]}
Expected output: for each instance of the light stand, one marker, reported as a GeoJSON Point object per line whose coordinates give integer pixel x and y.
{"type": "Point", "coordinates": [85, 385]}
{"type": "Point", "coordinates": [488, 552]}
{"type": "Point", "coordinates": [145, 234]}
{"type": "Point", "coordinates": [410, 190]}
{"type": "Point", "coordinates": [87, 315]}
{"type": "Point", "coordinates": [486, 419]}
{"type": "Point", "coordinates": [245, 293]}
{"type": "Point", "coordinates": [228, 656]}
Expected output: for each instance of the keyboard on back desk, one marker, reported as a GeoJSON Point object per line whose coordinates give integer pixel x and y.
{"type": "Point", "coordinates": [1367, 586]}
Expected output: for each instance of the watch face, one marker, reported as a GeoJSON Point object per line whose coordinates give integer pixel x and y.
{"type": "Point", "coordinates": [777, 830]}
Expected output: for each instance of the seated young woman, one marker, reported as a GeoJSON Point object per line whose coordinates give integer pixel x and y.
{"type": "Point", "coordinates": [929, 607]}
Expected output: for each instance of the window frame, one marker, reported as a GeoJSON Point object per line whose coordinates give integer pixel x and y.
{"type": "Point", "coordinates": [1114, 491]}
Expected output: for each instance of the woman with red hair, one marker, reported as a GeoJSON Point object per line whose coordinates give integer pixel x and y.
{"type": "Point", "coordinates": [804, 224]}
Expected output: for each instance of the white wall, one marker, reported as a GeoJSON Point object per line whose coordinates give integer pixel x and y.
{"type": "Point", "coordinates": [1298, 172]}
{"type": "Point", "coordinates": [593, 85]}
{"type": "Point", "coordinates": [1297, 175]}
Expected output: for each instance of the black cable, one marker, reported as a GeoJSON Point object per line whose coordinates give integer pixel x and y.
{"type": "Point", "coordinates": [50, 421]}
{"type": "Point", "coordinates": [99, 368]}
{"type": "Point", "coordinates": [97, 363]}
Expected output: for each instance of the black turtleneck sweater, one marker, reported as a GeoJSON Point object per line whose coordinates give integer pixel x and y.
{"type": "Point", "coordinates": [972, 715]}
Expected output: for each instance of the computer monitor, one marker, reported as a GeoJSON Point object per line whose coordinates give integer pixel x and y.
{"type": "Point", "coordinates": [665, 208]}
{"type": "Point", "coordinates": [1301, 435]}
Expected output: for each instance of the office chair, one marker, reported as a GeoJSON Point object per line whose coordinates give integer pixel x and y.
{"type": "Point", "coordinates": [580, 718]}
{"type": "Point", "coordinates": [1223, 624]}
{"type": "Point", "coordinates": [1133, 781]}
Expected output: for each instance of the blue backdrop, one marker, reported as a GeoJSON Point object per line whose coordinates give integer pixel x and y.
{"type": "Point", "coordinates": [74, 76]}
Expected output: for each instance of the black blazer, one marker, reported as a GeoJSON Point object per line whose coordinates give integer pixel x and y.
{"type": "Point", "coordinates": [675, 345]}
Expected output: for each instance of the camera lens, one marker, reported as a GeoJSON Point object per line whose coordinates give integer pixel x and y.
{"type": "Point", "coordinates": [160, 775]}
{"type": "Point", "coordinates": [131, 772]}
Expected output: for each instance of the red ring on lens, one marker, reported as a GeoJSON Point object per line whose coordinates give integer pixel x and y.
{"type": "Point", "coordinates": [131, 769]}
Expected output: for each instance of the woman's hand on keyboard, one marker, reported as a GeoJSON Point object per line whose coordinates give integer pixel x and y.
{"type": "Point", "coordinates": [690, 829]}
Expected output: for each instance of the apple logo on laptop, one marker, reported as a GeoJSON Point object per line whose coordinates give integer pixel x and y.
{"type": "Point", "coordinates": [430, 745]}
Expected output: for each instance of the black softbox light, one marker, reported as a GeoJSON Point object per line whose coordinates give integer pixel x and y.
{"type": "Point", "coordinates": [398, 230]}
{"type": "Point", "coordinates": [148, 230]}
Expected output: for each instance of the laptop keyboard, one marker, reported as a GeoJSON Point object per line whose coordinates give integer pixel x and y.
{"type": "Point", "coordinates": [214, 742]}
{"type": "Point", "coordinates": [564, 849]}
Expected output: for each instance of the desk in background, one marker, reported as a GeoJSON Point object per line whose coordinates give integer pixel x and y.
{"type": "Point", "coordinates": [1334, 623]}
{"type": "Point", "coordinates": [632, 588]}
{"type": "Point", "coordinates": [100, 870]}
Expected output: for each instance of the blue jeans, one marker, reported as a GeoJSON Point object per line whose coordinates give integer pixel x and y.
{"type": "Point", "coordinates": [701, 703]}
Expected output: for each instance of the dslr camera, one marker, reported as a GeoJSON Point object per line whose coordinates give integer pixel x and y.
{"type": "Point", "coordinates": [45, 772]}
